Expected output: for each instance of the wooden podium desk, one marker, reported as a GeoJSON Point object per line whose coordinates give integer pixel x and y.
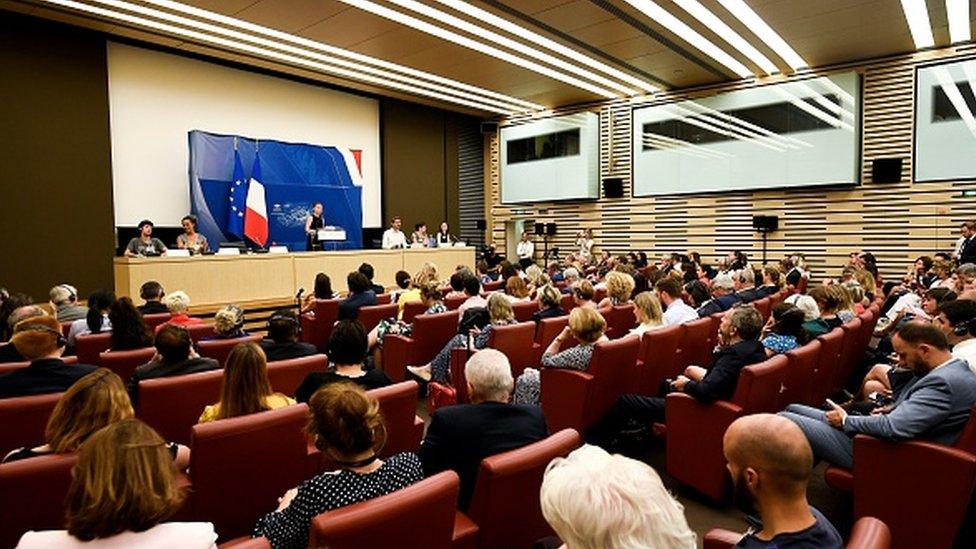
{"type": "Point", "coordinates": [214, 280]}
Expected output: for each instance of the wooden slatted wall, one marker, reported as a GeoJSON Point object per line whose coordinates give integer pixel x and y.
{"type": "Point", "coordinates": [471, 196]}
{"type": "Point", "coordinates": [895, 221]}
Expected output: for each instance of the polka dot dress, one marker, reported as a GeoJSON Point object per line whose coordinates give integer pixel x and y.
{"type": "Point", "coordinates": [289, 528]}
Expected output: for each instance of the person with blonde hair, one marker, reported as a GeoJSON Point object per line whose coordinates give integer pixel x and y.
{"type": "Point", "coordinates": [432, 297]}
{"type": "Point", "coordinates": [516, 290]}
{"type": "Point", "coordinates": [423, 277]}
{"type": "Point", "coordinates": [619, 287]}
{"type": "Point", "coordinates": [348, 427]}
{"type": "Point", "coordinates": [576, 491]}
{"type": "Point", "coordinates": [229, 322]}
{"type": "Point", "coordinates": [178, 305]}
{"type": "Point", "coordinates": [246, 388]}
{"type": "Point", "coordinates": [583, 293]}
{"type": "Point", "coordinates": [124, 486]}
{"type": "Point", "coordinates": [587, 327]}
{"type": "Point", "coordinates": [549, 303]}
{"type": "Point", "coordinates": [650, 315]}
{"type": "Point", "coordinates": [500, 314]}
{"type": "Point", "coordinates": [867, 281]}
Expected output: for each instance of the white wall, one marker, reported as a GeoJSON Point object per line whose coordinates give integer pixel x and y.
{"type": "Point", "coordinates": [156, 98]}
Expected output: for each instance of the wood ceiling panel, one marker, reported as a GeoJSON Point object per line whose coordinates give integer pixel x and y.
{"type": "Point", "coordinates": [574, 15]}
{"type": "Point", "coordinates": [300, 14]}
{"type": "Point", "coordinates": [610, 31]}
{"type": "Point", "coordinates": [350, 27]}
{"type": "Point", "coordinates": [226, 7]}
{"type": "Point", "coordinates": [403, 42]}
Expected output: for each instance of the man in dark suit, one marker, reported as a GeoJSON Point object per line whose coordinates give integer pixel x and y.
{"type": "Point", "coordinates": [459, 437]}
{"type": "Point", "coordinates": [359, 296]}
{"type": "Point", "coordinates": [367, 270]}
{"type": "Point", "coordinates": [282, 341]}
{"type": "Point", "coordinates": [174, 356]}
{"type": "Point", "coordinates": [723, 297]}
{"type": "Point", "coordinates": [40, 341]}
{"type": "Point", "coordinates": [967, 243]}
{"type": "Point", "coordinates": [152, 293]}
{"type": "Point", "coordinates": [745, 285]}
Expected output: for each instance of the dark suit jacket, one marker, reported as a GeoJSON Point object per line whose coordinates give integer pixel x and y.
{"type": "Point", "coordinates": [9, 353]}
{"type": "Point", "coordinates": [719, 382]}
{"type": "Point", "coordinates": [152, 308]}
{"type": "Point", "coordinates": [459, 437]}
{"type": "Point", "coordinates": [286, 350]}
{"type": "Point", "coordinates": [767, 291]}
{"type": "Point", "coordinates": [967, 254]}
{"type": "Point", "coordinates": [50, 375]}
{"type": "Point", "coordinates": [349, 307]}
{"type": "Point", "coordinates": [166, 369]}
{"type": "Point", "coordinates": [749, 295]}
{"type": "Point", "coordinates": [549, 312]}
{"type": "Point", "coordinates": [717, 305]}
{"type": "Point", "coordinates": [377, 289]}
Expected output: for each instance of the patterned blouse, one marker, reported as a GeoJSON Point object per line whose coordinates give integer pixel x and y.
{"type": "Point", "coordinates": [779, 343]}
{"type": "Point", "coordinates": [574, 358]}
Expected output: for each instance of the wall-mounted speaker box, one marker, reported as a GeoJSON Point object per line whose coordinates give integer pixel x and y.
{"type": "Point", "coordinates": [767, 223]}
{"type": "Point", "coordinates": [550, 229]}
{"type": "Point", "coordinates": [481, 224]}
{"type": "Point", "coordinates": [540, 229]}
{"type": "Point", "coordinates": [613, 187]}
{"type": "Point", "coordinates": [886, 170]}
{"type": "Point", "coordinates": [489, 127]}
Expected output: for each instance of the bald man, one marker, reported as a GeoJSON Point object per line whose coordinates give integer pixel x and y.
{"type": "Point", "coordinates": [770, 462]}
{"type": "Point", "coordinates": [9, 353]}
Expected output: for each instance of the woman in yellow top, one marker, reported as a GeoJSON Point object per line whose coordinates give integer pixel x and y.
{"type": "Point", "coordinates": [246, 389]}
{"type": "Point", "coordinates": [426, 275]}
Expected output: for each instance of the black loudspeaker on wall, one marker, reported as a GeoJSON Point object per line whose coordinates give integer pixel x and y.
{"type": "Point", "coordinates": [489, 127]}
{"type": "Point", "coordinates": [481, 224]}
{"type": "Point", "coordinates": [886, 170]}
{"type": "Point", "coordinates": [765, 223]}
{"type": "Point", "coordinates": [613, 187]}
{"type": "Point", "coordinates": [540, 229]}
{"type": "Point", "coordinates": [550, 229]}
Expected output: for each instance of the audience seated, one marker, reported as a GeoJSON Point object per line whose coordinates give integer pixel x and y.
{"type": "Point", "coordinates": [771, 281]}
{"type": "Point", "coordinates": [745, 286]}
{"type": "Point", "coordinates": [587, 326]}
{"type": "Point", "coordinates": [322, 290]}
{"type": "Point", "coordinates": [152, 294]}
{"type": "Point", "coordinates": [347, 352]}
{"type": "Point", "coordinates": [675, 309]}
{"type": "Point", "coordinates": [583, 294]}
{"type": "Point", "coordinates": [620, 285]}
{"type": "Point", "coordinates": [229, 323]}
{"type": "Point", "coordinates": [457, 286]}
{"type": "Point", "coordinates": [123, 487]}
{"type": "Point", "coordinates": [570, 276]}
{"type": "Point", "coordinates": [845, 302]}
{"type": "Point", "coordinates": [430, 294]}
{"type": "Point", "coordinates": [549, 304]}
{"type": "Point", "coordinates": [696, 293]}
{"type": "Point", "coordinates": [411, 292]}
{"type": "Point", "coordinates": [246, 388]}
{"type": "Point", "coordinates": [96, 319]}
{"type": "Point", "coordinates": [935, 407]}
{"type": "Point", "coordinates": [8, 304]}
{"type": "Point", "coordinates": [472, 289]}
{"type": "Point", "coordinates": [367, 270]}
{"type": "Point", "coordinates": [459, 437]}
{"type": "Point", "coordinates": [39, 340]}
{"type": "Point", "coordinates": [347, 425]}
{"type": "Point", "coordinates": [516, 289]}
{"type": "Point", "coordinates": [770, 462]}
{"type": "Point", "coordinates": [129, 330]}
{"type": "Point", "coordinates": [957, 320]}
{"type": "Point", "coordinates": [783, 330]}
{"type": "Point", "coordinates": [738, 347]}
{"type": "Point", "coordinates": [647, 309]}
{"type": "Point", "coordinates": [64, 300]}
{"type": "Point", "coordinates": [8, 352]}
{"type": "Point", "coordinates": [594, 500]}
{"type": "Point", "coordinates": [811, 315]}
{"type": "Point", "coordinates": [178, 303]}
{"type": "Point", "coordinates": [723, 297]}
{"type": "Point", "coordinates": [174, 356]}
{"type": "Point", "coordinates": [360, 295]}
{"type": "Point", "coordinates": [282, 341]}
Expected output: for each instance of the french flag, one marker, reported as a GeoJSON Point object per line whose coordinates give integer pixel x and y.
{"type": "Point", "coordinates": [256, 213]}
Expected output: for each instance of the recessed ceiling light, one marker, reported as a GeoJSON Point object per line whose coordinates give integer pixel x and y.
{"type": "Point", "coordinates": [689, 35]}
{"type": "Point", "coordinates": [917, 14]}
{"type": "Point", "coordinates": [957, 12]}
{"type": "Point", "coordinates": [751, 19]}
{"type": "Point", "coordinates": [716, 25]}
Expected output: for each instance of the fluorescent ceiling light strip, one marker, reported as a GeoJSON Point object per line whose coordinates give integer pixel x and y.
{"type": "Point", "coordinates": [450, 36]}
{"type": "Point", "coordinates": [681, 143]}
{"type": "Point", "coordinates": [783, 140]}
{"type": "Point", "coordinates": [500, 40]}
{"type": "Point", "coordinates": [234, 45]}
{"type": "Point", "coordinates": [814, 111]}
{"type": "Point", "coordinates": [294, 50]}
{"type": "Point", "coordinates": [917, 15]}
{"type": "Point", "coordinates": [957, 12]}
{"type": "Point", "coordinates": [690, 35]}
{"type": "Point", "coordinates": [754, 23]}
{"type": "Point", "coordinates": [536, 38]}
{"type": "Point", "coordinates": [320, 46]}
{"type": "Point", "coordinates": [948, 85]}
{"type": "Point", "coordinates": [716, 25]}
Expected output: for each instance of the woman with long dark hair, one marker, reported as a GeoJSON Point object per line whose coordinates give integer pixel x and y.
{"type": "Point", "coordinates": [129, 330]}
{"type": "Point", "coordinates": [96, 321]}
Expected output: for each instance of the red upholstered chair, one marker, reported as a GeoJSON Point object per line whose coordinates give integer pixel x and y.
{"type": "Point", "coordinates": [764, 306]}
{"type": "Point", "coordinates": [868, 533]}
{"type": "Point", "coordinates": [370, 316]}
{"type": "Point", "coordinates": [156, 319]}
{"type": "Point", "coordinates": [172, 405]}
{"type": "Point", "coordinates": [413, 309]}
{"type": "Point", "coordinates": [567, 302]}
{"type": "Point", "coordinates": [801, 374]}
{"type": "Point", "coordinates": [505, 503]}
{"type": "Point", "coordinates": [937, 479]}
{"type": "Point", "coordinates": [32, 493]}
{"type": "Point", "coordinates": [430, 334]}
{"type": "Point", "coordinates": [620, 319]}
{"type": "Point", "coordinates": [659, 358]}
{"type": "Point", "coordinates": [287, 375]}
{"type": "Point", "coordinates": [494, 285]}
{"type": "Point", "coordinates": [124, 363]}
{"type": "Point", "coordinates": [695, 429]}
{"type": "Point", "coordinates": [8, 367]}
{"type": "Point", "coordinates": [599, 294]}
{"type": "Point", "coordinates": [317, 326]}
{"type": "Point", "coordinates": [383, 299]}
{"type": "Point", "coordinates": [831, 348]}
{"type": "Point", "coordinates": [219, 349]}
{"type": "Point", "coordinates": [696, 344]}
{"type": "Point", "coordinates": [524, 310]}
{"type": "Point", "coordinates": [848, 355]}
{"type": "Point", "coordinates": [420, 516]}
{"type": "Point", "coordinates": [577, 400]}
{"type": "Point", "coordinates": [515, 341]}
{"type": "Point", "coordinates": [241, 466]}
{"type": "Point", "coordinates": [246, 542]}
{"type": "Point", "coordinates": [546, 331]}
{"type": "Point", "coordinates": [200, 331]}
{"type": "Point", "coordinates": [88, 347]}
{"type": "Point", "coordinates": [66, 327]}
{"type": "Point", "coordinates": [23, 420]}
{"type": "Point", "coordinates": [452, 303]}
{"type": "Point", "coordinates": [801, 286]}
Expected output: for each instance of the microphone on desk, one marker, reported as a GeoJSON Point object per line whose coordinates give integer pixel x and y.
{"type": "Point", "coordinates": [298, 299]}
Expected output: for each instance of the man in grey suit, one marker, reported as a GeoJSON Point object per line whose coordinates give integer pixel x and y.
{"type": "Point", "coordinates": [934, 408]}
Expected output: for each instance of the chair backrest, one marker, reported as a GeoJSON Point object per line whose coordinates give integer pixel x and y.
{"type": "Point", "coordinates": [801, 374]}
{"type": "Point", "coordinates": [599, 294]}
{"type": "Point", "coordinates": [801, 286]}
{"type": "Point", "coordinates": [172, 405]}
{"type": "Point", "coordinates": [620, 319]}
{"type": "Point", "coordinates": [760, 385]}
{"type": "Point", "coordinates": [317, 328]}
{"type": "Point", "coordinates": [695, 338]}
{"type": "Point", "coordinates": [831, 349]}
{"type": "Point", "coordinates": [287, 375]}
{"type": "Point", "coordinates": [524, 310]}
{"type": "Point", "coordinates": [413, 309]}
{"type": "Point", "coordinates": [7, 367]}
{"type": "Point", "coordinates": [200, 331]}
{"type": "Point", "coordinates": [156, 319]}
{"type": "Point", "coordinates": [453, 302]}
{"type": "Point", "coordinates": [370, 316]}
{"type": "Point", "coordinates": [240, 466]}
{"type": "Point", "coordinates": [661, 358]}
{"type": "Point", "coordinates": [24, 420]}
{"type": "Point", "coordinates": [420, 516]}
{"type": "Point", "coordinates": [764, 306]}
{"type": "Point", "coordinates": [88, 347]}
{"type": "Point", "coordinates": [384, 299]}
{"type": "Point", "coordinates": [612, 368]}
{"type": "Point", "coordinates": [517, 342]}
{"type": "Point", "coordinates": [549, 328]}
{"type": "Point", "coordinates": [869, 533]}
{"type": "Point", "coordinates": [848, 357]}
{"type": "Point", "coordinates": [430, 334]}
{"type": "Point", "coordinates": [124, 363]}
{"type": "Point", "coordinates": [32, 493]}
{"type": "Point", "coordinates": [505, 504]}
{"type": "Point", "coordinates": [567, 302]}
{"type": "Point", "coordinates": [219, 349]}
{"type": "Point", "coordinates": [493, 285]}
{"type": "Point", "coordinates": [398, 406]}
{"type": "Point", "coordinates": [66, 327]}
{"type": "Point", "coordinates": [967, 440]}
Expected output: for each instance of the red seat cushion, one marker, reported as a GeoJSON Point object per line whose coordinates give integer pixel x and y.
{"type": "Point", "coordinates": [32, 493]}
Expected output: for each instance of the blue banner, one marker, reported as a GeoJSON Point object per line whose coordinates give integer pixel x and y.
{"type": "Point", "coordinates": [295, 176]}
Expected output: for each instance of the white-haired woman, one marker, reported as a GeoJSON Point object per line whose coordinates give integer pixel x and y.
{"type": "Point", "coordinates": [178, 305]}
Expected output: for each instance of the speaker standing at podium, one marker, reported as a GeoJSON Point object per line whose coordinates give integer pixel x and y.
{"type": "Point", "coordinates": [525, 251]}
{"type": "Point", "coordinates": [313, 223]}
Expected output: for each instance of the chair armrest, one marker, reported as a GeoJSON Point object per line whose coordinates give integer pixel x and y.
{"type": "Point", "coordinates": [564, 396]}
{"type": "Point", "coordinates": [396, 353]}
{"type": "Point", "coordinates": [246, 543]}
{"type": "Point", "coordinates": [459, 357]}
{"type": "Point", "coordinates": [417, 435]}
{"type": "Point", "coordinates": [718, 538]}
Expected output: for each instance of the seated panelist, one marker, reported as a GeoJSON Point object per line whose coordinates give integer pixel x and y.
{"type": "Point", "coordinates": [191, 239]}
{"type": "Point", "coordinates": [145, 244]}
